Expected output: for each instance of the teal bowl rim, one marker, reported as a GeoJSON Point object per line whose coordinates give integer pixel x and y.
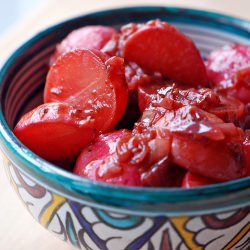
{"type": "Point", "coordinates": [82, 185]}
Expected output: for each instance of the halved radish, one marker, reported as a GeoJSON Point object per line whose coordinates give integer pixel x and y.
{"type": "Point", "coordinates": [159, 47]}
{"type": "Point", "coordinates": [228, 69]}
{"type": "Point", "coordinates": [88, 37]}
{"type": "Point", "coordinates": [56, 131]}
{"type": "Point", "coordinates": [229, 108]}
{"type": "Point", "coordinates": [217, 160]}
{"type": "Point", "coordinates": [204, 144]}
{"type": "Point", "coordinates": [91, 81]}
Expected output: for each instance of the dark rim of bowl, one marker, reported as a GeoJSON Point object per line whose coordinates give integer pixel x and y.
{"type": "Point", "coordinates": [81, 185]}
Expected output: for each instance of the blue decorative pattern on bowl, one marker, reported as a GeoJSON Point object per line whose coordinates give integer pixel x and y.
{"type": "Point", "coordinates": [92, 215]}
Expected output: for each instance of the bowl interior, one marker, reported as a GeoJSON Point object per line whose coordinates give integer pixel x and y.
{"type": "Point", "coordinates": [22, 82]}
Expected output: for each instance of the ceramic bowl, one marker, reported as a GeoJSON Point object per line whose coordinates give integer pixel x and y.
{"type": "Point", "coordinates": [92, 215]}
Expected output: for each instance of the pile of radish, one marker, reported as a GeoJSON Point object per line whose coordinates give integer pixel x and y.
{"type": "Point", "coordinates": [140, 107]}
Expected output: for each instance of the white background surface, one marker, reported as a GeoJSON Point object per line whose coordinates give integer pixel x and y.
{"type": "Point", "coordinates": [14, 11]}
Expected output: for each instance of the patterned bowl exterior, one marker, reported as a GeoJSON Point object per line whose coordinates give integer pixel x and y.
{"type": "Point", "coordinates": [92, 215]}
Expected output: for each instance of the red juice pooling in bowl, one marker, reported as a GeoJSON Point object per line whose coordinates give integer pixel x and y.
{"type": "Point", "coordinates": [192, 127]}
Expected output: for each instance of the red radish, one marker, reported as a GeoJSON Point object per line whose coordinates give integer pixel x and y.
{"type": "Point", "coordinates": [203, 144]}
{"type": "Point", "coordinates": [163, 174]}
{"type": "Point", "coordinates": [217, 160]}
{"type": "Point", "coordinates": [115, 159]}
{"type": "Point", "coordinates": [159, 47]}
{"type": "Point", "coordinates": [135, 75]}
{"type": "Point", "coordinates": [88, 37]}
{"type": "Point", "coordinates": [190, 120]}
{"type": "Point", "coordinates": [56, 131]}
{"type": "Point", "coordinates": [97, 162]}
{"type": "Point", "coordinates": [84, 78]}
{"type": "Point", "coordinates": [229, 109]}
{"type": "Point", "coordinates": [229, 70]}
{"type": "Point", "coordinates": [193, 180]}
{"type": "Point", "coordinates": [103, 146]}
{"type": "Point", "coordinates": [150, 156]}
{"type": "Point", "coordinates": [109, 171]}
